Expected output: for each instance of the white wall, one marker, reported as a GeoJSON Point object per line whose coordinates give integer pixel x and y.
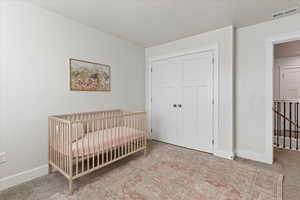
{"type": "Point", "coordinates": [36, 45]}
{"type": "Point", "coordinates": [282, 62]}
{"type": "Point", "coordinates": [1, 73]}
{"type": "Point", "coordinates": [251, 137]}
{"type": "Point", "coordinates": [224, 38]}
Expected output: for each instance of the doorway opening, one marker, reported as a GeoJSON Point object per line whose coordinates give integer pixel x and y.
{"type": "Point", "coordinates": [286, 95]}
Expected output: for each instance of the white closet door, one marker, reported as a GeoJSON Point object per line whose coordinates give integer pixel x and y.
{"type": "Point", "coordinates": [165, 79]}
{"type": "Point", "coordinates": [290, 82]}
{"type": "Point", "coordinates": [182, 109]}
{"type": "Point", "coordinates": [196, 92]}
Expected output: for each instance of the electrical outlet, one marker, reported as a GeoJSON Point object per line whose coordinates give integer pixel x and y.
{"type": "Point", "coordinates": [2, 157]}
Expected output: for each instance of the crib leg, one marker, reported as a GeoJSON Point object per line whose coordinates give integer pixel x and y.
{"type": "Point", "coordinates": [145, 152]}
{"type": "Point", "coordinates": [70, 186]}
{"type": "Point", "coordinates": [50, 169]}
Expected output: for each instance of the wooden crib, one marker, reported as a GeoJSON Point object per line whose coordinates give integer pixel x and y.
{"type": "Point", "coordinates": [81, 143]}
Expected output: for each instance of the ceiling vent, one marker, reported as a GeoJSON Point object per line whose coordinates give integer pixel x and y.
{"type": "Point", "coordinates": [284, 13]}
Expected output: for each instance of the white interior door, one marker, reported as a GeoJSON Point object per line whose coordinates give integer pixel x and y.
{"type": "Point", "coordinates": [290, 82]}
{"type": "Point", "coordinates": [182, 109]}
{"type": "Point", "coordinates": [165, 78]}
{"type": "Point", "coordinates": [196, 93]}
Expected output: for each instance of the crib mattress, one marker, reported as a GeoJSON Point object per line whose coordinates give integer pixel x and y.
{"type": "Point", "coordinates": [102, 141]}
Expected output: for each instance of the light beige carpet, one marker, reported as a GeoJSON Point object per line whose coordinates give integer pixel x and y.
{"type": "Point", "coordinates": [167, 173]}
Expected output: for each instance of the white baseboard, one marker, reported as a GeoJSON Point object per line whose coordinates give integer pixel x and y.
{"type": "Point", "coordinates": [22, 177]}
{"type": "Point", "coordinates": [224, 154]}
{"type": "Point", "coordinates": [253, 156]}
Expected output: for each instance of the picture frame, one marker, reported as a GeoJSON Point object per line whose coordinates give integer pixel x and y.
{"type": "Point", "coordinates": [89, 76]}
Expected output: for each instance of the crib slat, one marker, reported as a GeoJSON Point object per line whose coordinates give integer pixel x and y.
{"type": "Point", "coordinates": [141, 132]}
{"type": "Point", "coordinates": [70, 155]}
{"type": "Point", "coordinates": [98, 141]}
{"type": "Point", "coordinates": [142, 129]}
{"type": "Point", "coordinates": [106, 139]}
{"type": "Point", "coordinates": [113, 136]}
{"type": "Point", "coordinates": [65, 158]}
{"type": "Point", "coordinates": [82, 151]}
{"type": "Point", "coordinates": [124, 137]}
{"type": "Point", "coordinates": [130, 133]}
{"type": "Point", "coordinates": [121, 135]}
{"type": "Point", "coordinates": [93, 132]}
{"type": "Point", "coordinates": [68, 141]}
{"type": "Point", "coordinates": [60, 147]}
{"type": "Point", "coordinates": [64, 137]}
{"type": "Point", "coordinates": [57, 143]}
{"type": "Point", "coordinates": [76, 131]}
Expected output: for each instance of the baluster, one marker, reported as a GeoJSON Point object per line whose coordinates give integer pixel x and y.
{"type": "Point", "coordinates": [284, 123]}
{"type": "Point", "coordinates": [126, 135]}
{"type": "Point", "coordinates": [295, 120]}
{"type": "Point", "coordinates": [274, 120]}
{"type": "Point", "coordinates": [290, 123]}
{"type": "Point", "coordinates": [297, 114]}
{"type": "Point", "coordinates": [102, 137]}
{"type": "Point", "coordinates": [278, 123]}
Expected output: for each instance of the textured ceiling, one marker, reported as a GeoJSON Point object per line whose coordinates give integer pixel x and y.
{"type": "Point", "coordinates": [152, 22]}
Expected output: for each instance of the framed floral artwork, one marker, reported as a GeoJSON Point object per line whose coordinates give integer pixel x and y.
{"type": "Point", "coordinates": [89, 76]}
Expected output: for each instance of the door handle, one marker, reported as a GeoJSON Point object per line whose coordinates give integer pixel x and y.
{"type": "Point", "coordinates": [174, 105]}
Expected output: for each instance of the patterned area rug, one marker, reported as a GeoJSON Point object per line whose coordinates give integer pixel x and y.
{"type": "Point", "coordinates": [173, 173]}
{"type": "Point", "coordinates": [167, 173]}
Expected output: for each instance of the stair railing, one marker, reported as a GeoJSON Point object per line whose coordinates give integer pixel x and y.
{"type": "Point", "coordinates": [286, 124]}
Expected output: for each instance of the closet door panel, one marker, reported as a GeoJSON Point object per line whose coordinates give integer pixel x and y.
{"type": "Point", "coordinates": [165, 77]}
{"type": "Point", "coordinates": [196, 96]}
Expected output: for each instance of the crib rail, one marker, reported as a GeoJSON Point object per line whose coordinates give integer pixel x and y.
{"type": "Point", "coordinates": [80, 143]}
